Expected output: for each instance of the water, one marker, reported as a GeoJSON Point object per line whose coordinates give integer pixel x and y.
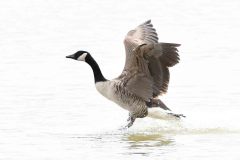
{"type": "Point", "coordinates": [49, 108]}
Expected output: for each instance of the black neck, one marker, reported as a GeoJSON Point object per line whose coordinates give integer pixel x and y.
{"type": "Point", "coordinates": [96, 70]}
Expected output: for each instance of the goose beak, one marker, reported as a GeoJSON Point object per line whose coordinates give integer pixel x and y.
{"type": "Point", "coordinates": [70, 56]}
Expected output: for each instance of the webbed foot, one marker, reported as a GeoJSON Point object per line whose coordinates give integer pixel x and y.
{"type": "Point", "coordinates": [177, 115]}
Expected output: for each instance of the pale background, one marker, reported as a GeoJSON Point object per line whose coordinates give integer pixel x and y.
{"type": "Point", "coordinates": [49, 108]}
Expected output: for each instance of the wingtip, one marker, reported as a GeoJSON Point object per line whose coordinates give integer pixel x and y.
{"type": "Point", "coordinates": [177, 44]}
{"type": "Point", "coordinates": [148, 21]}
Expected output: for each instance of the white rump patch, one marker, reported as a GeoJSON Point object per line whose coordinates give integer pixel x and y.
{"type": "Point", "coordinates": [82, 57]}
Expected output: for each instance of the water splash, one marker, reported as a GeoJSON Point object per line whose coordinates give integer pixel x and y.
{"type": "Point", "coordinates": [195, 123]}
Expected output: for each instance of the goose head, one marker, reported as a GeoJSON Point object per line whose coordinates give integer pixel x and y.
{"type": "Point", "coordinates": [80, 55]}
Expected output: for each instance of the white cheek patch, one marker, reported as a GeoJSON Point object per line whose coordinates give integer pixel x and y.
{"type": "Point", "coordinates": [82, 57]}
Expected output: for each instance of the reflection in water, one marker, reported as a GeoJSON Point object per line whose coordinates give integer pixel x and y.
{"type": "Point", "coordinates": [144, 144]}
{"type": "Point", "coordinates": [138, 138]}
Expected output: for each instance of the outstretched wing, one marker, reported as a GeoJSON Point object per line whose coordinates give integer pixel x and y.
{"type": "Point", "coordinates": [162, 56]}
{"type": "Point", "coordinates": [143, 34]}
{"type": "Point", "coordinates": [146, 71]}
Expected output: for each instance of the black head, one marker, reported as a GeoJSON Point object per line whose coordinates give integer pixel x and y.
{"type": "Point", "coordinates": [80, 55]}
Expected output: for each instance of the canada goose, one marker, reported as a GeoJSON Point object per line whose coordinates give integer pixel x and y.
{"type": "Point", "coordinates": [145, 75]}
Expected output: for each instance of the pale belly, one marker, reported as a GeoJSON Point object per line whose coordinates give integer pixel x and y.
{"type": "Point", "coordinates": [108, 90]}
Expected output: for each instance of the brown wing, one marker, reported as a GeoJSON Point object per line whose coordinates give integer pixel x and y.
{"type": "Point", "coordinates": [146, 71]}
{"type": "Point", "coordinates": [163, 56]}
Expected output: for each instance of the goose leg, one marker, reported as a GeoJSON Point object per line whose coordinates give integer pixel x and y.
{"type": "Point", "coordinates": [131, 120]}
{"type": "Point", "coordinates": [157, 103]}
